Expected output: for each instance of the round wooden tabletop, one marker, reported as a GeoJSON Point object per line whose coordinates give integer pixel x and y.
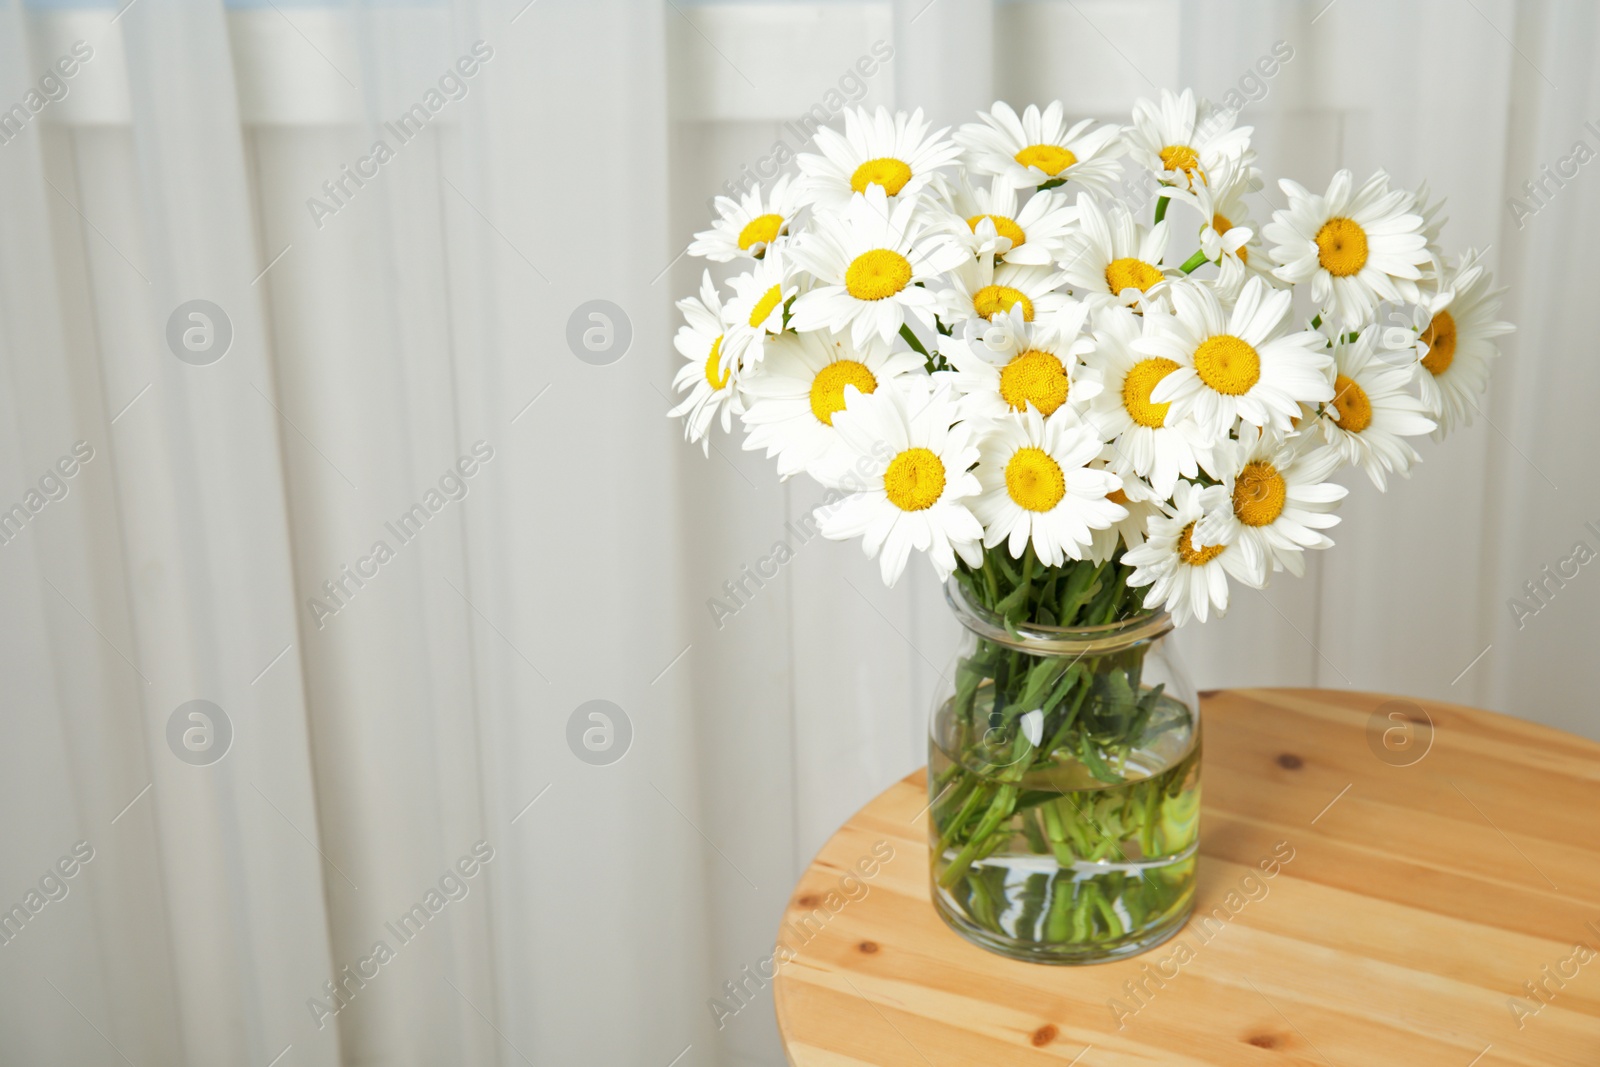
{"type": "Point", "coordinates": [1434, 899]}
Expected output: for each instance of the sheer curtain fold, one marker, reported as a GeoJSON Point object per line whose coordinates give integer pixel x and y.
{"type": "Point", "coordinates": [393, 713]}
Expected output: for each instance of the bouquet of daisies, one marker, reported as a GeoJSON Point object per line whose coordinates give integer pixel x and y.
{"type": "Point", "coordinates": [1064, 357]}
{"type": "Point", "coordinates": [1064, 362]}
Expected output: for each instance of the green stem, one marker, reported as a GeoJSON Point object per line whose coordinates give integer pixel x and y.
{"type": "Point", "coordinates": [1193, 263]}
{"type": "Point", "coordinates": [1161, 208]}
{"type": "Point", "coordinates": [1004, 801]}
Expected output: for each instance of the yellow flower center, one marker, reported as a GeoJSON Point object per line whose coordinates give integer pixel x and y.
{"type": "Point", "coordinates": [1034, 479]}
{"type": "Point", "coordinates": [1129, 273]}
{"type": "Point", "coordinates": [887, 172]}
{"type": "Point", "coordinates": [760, 230]}
{"type": "Point", "coordinates": [764, 306]}
{"type": "Point", "coordinates": [877, 274]}
{"type": "Point", "coordinates": [1190, 555]}
{"type": "Point", "coordinates": [827, 388]}
{"type": "Point", "coordinates": [716, 374]}
{"type": "Point", "coordinates": [1222, 224]}
{"type": "Point", "coordinates": [1036, 376]}
{"type": "Point", "coordinates": [1180, 157]}
{"type": "Point", "coordinates": [1050, 158]}
{"type": "Point", "coordinates": [1259, 494]}
{"type": "Point", "coordinates": [1440, 337]}
{"type": "Point", "coordinates": [1117, 496]}
{"type": "Point", "coordinates": [1341, 247]}
{"type": "Point", "coordinates": [1003, 226]}
{"type": "Point", "coordinates": [993, 300]}
{"type": "Point", "coordinates": [1355, 409]}
{"type": "Point", "coordinates": [1227, 364]}
{"type": "Point", "coordinates": [1142, 379]}
{"type": "Point", "coordinates": [914, 480]}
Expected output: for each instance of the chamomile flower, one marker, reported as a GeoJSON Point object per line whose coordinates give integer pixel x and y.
{"type": "Point", "coordinates": [757, 307]}
{"type": "Point", "coordinates": [1038, 486]}
{"type": "Point", "coordinates": [1458, 342]}
{"type": "Point", "coordinates": [868, 261]}
{"type": "Point", "coordinates": [1185, 579]}
{"type": "Point", "coordinates": [978, 288]}
{"type": "Point", "coordinates": [791, 399]}
{"type": "Point", "coordinates": [895, 152]}
{"type": "Point", "coordinates": [1140, 504]}
{"type": "Point", "coordinates": [1113, 259]}
{"type": "Point", "coordinates": [1145, 440]}
{"type": "Point", "coordinates": [1280, 497]}
{"type": "Point", "coordinates": [1184, 141]}
{"type": "Point", "coordinates": [1372, 413]}
{"type": "Point", "coordinates": [1238, 364]}
{"type": "Point", "coordinates": [1226, 230]}
{"type": "Point", "coordinates": [1034, 234]}
{"type": "Point", "coordinates": [711, 377]}
{"type": "Point", "coordinates": [908, 441]}
{"type": "Point", "coordinates": [1038, 147]}
{"type": "Point", "coordinates": [1003, 367]}
{"type": "Point", "coordinates": [744, 229]}
{"type": "Point", "coordinates": [1355, 246]}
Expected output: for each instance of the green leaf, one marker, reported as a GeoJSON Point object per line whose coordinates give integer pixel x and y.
{"type": "Point", "coordinates": [1089, 752]}
{"type": "Point", "coordinates": [911, 339]}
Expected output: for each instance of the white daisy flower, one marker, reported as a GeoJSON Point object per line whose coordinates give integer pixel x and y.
{"type": "Point", "coordinates": [1371, 412]}
{"type": "Point", "coordinates": [1458, 342]}
{"type": "Point", "coordinates": [1227, 232]}
{"type": "Point", "coordinates": [1185, 579]}
{"type": "Point", "coordinates": [1233, 365]}
{"type": "Point", "coordinates": [791, 398]}
{"type": "Point", "coordinates": [1002, 367]}
{"type": "Point", "coordinates": [977, 288]}
{"type": "Point", "coordinates": [1112, 258]}
{"type": "Point", "coordinates": [744, 228]}
{"type": "Point", "coordinates": [868, 261]}
{"type": "Point", "coordinates": [1182, 140]}
{"type": "Point", "coordinates": [1038, 149]}
{"type": "Point", "coordinates": [1280, 498]}
{"type": "Point", "coordinates": [711, 377]}
{"type": "Point", "coordinates": [1355, 246]}
{"type": "Point", "coordinates": [1038, 486]}
{"type": "Point", "coordinates": [908, 440]}
{"type": "Point", "coordinates": [895, 152]}
{"type": "Point", "coordinates": [1146, 440]}
{"type": "Point", "coordinates": [1141, 504]}
{"type": "Point", "coordinates": [988, 216]}
{"type": "Point", "coordinates": [757, 307]}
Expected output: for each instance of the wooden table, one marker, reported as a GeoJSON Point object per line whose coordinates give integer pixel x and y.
{"type": "Point", "coordinates": [1434, 872]}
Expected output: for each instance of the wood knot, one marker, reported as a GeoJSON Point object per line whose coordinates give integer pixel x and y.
{"type": "Point", "coordinates": [1044, 1035]}
{"type": "Point", "coordinates": [1264, 1040]}
{"type": "Point", "coordinates": [1290, 762]}
{"type": "Point", "coordinates": [810, 900]}
{"type": "Point", "coordinates": [869, 947]}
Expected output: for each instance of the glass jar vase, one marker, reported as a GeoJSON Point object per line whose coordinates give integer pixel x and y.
{"type": "Point", "coordinates": [1064, 787]}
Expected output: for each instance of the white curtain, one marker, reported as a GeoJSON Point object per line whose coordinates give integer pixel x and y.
{"type": "Point", "coordinates": [408, 364]}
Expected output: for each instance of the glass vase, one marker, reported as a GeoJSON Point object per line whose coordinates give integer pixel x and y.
{"type": "Point", "coordinates": [1064, 787]}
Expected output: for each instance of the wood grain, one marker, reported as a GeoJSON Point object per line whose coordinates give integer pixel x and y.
{"type": "Point", "coordinates": [1418, 902]}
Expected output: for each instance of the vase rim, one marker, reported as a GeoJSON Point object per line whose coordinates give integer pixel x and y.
{"type": "Point", "coordinates": [1039, 639]}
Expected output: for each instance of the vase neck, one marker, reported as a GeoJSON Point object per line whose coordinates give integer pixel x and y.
{"type": "Point", "coordinates": [1041, 640]}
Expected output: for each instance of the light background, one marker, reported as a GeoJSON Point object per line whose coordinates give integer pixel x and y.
{"type": "Point", "coordinates": [428, 314]}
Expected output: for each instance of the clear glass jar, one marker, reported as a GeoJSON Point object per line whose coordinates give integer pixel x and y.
{"type": "Point", "coordinates": [1064, 788]}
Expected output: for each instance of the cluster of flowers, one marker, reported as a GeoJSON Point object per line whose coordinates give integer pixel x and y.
{"type": "Point", "coordinates": [979, 335]}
